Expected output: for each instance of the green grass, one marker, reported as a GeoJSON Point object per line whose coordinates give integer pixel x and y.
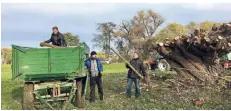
{"type": "Point", "coordinates": [114, 68]}
{"type": "Point", "coordinates": [11, 90]}
{"type": "Point", "coordinates": [114, 82]}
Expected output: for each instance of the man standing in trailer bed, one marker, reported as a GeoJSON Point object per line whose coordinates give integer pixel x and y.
{"type": "Point", "coordinates": [57, 38]}
{"type": "Point", "coordinates": [95, 70]}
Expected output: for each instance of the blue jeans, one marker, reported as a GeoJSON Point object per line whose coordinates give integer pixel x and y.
{"type": "Point", "coordinates": [129, 86]}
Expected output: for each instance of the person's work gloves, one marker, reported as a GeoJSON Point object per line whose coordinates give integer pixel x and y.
{"type": "Point", "coordinates": [100, 74]}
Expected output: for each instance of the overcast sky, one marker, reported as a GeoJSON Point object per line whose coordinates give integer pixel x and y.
{"type": "Point", "coordinates": [29, 24]}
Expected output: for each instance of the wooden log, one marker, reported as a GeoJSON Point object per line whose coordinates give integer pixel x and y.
{"type": "Point", "coordinates": [42, 44]}
{"type": "Point", "coordinates": [183, 73]}
{"type": "Point", "coordinates": [128, 63]}
{"type": "Point", "coordinates": [183, 62]}
{"type": "Point", "coordinates": [197, 55]}
{"type": "Point", "coordinates": [194, 60]}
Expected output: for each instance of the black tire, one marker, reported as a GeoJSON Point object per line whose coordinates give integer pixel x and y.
{"type": "Point", "coordinates": [163, 65]}
{"type": "Point", "coordinates": [79, 99]}
{"type": "Point", "coordinates": [28, 96]}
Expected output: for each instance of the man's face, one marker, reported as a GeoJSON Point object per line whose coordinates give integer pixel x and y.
{"type": "Point", "coordinates": [217, 61]}
{"type": "Point", "coordinates": [94, 56]}
{"type": "Point", "coordinates": [135, 55]}
{"type": "Point", "coordinates": [54, 31]}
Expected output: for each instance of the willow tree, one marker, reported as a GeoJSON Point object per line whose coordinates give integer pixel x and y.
{"type": "Point", "coordinates": [171, 31]}
{"type": "Point", "coordinates": [140, 29]}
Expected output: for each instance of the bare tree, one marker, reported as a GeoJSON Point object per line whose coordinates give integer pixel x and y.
{"type": "Point", "coordinates": [104, 37]}
{"type": "Point", "coordinates": [140, 29]}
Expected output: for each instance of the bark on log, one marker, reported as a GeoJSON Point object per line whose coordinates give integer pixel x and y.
{"type": "Point", "coordinates": [42, 44]}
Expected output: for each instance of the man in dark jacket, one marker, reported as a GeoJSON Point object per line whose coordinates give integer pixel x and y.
{"type": "Point", "coordinates": [132, 76]}
{"type": "Point", "coordinates": [57, 38]}
{"type": "Point", "coordinates": [95, 70]}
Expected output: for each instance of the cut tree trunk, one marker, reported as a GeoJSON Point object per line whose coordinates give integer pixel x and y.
{"type": "Point", "coordinates": [196, 57]}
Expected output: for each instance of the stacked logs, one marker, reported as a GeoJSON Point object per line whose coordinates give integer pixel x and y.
{"type": "Point", "coordinates": [195, 57]}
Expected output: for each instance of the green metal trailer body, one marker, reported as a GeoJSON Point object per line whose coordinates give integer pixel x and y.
{"type": "Point", "coordinates": [40, 64]}
{"type": "Point", "coordinates": [51, 74]}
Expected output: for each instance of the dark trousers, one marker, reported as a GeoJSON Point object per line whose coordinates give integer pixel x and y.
{"type": "Point", "coordinates": [93, 81]}
{"type": "Point", "coordinates": [129, 86]}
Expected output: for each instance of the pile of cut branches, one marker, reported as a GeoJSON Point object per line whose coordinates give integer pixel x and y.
{"type": "Point", "coordinates": [195, 57]}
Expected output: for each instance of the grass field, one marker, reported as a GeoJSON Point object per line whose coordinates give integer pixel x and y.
{"type": "Point", "coordinates": [114, 68]}
{"type": "Point", "coordinates": [114, 79]}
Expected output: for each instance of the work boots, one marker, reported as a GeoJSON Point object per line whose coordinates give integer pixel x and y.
{"type": "Point", "coordinates": [101, 97]}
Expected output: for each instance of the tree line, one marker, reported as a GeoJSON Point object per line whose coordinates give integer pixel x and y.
{"type": "Point", "coordinates": [137, 33]}
{"type": "Point", "coordinates": [131, 35]}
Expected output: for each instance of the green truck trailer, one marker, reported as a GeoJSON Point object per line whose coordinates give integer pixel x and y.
{"type": "Point", "coordinates": [51, 74]}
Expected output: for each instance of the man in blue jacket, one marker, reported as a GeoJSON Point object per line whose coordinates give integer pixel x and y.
{"type": "Point", "coordinates": [95, 70]}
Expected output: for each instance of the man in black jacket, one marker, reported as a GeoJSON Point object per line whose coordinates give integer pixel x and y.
{"type": "Point", "coordinates": [132, 76]}
{"type": "Point", "coordinates": [57, 38]}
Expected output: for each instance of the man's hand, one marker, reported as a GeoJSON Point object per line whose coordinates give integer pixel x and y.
{"type": "Point", "coordinates": [100, 74]}
{"type": "Point", "coordinates": [127, 66]}
{"type": "Point", "coordinates": [145, 80]}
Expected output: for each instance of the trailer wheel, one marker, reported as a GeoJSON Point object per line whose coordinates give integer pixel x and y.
{"type": "Point", "coordinates": [28, 96]}
{"type": "Point", "coordinates": [79, 99]}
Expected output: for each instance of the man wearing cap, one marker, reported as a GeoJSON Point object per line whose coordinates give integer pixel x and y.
{"type": "Point", "coordinates": [95, 70]}
{"type": "Point", "coordinates": [57, 38]}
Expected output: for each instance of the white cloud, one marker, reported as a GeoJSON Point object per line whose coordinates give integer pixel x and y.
{"type": "Point", "coordinates": [204, 6]}
{"type": "Point", "coordinates": [59, 9]}
{"type": "Point", "coordinates": [208, 6]}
